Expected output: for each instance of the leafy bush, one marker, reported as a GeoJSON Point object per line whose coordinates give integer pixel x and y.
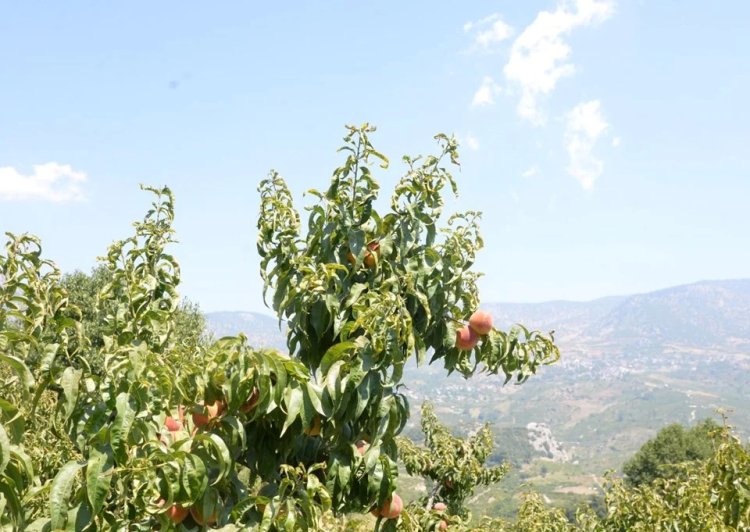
{"type": "Point", "coordinates": [673, 445]}
{"type": "Point", "coordinates": [142, 426]}
{"type": "Point", "coordinates": [453, 465]}
{"type": "Point", "coordinates": [710, 495]}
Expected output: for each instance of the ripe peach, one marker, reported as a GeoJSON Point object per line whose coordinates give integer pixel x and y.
{"type": "Point", "coordinates": [466, 338]}
{"type": "Point", "coordinates": [198, 517]}
{"type": "Point", "coordinates": [314, 430]}
{"type": "Point", "coordinates": [439, 506]}
{"type": "Point", "coordinates": [176, 513]}
{"type": "Point", "coordinates": [362, 447]}
{"type": "Point", "coordinates": [443, 525]}
{"type": "Point", "coordinates": [172, 424]}
{"type": "Point", "coordinates": [481, 322]}
{"type": "Point", "coordinates": [391, 508]}
{"type": "Point", "coordinates": [213, 410]}
{"type": "Point", "coordinates": [373, 249]}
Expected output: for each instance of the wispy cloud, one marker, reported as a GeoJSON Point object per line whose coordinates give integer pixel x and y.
{"type": "Point", "coordinates": [489, 30]}
{"type": "Point", "coordinates": [52, 182]}
{"type": "Point", "coordinates": [540, 55]}
{"type": "Point", "coordinates": [538, 58]}
{"type": "Point", "coordinates": [531, 171]}
{"type": "Point", "coordinates": [585, 125]}
{"type": "Point", "coordinates": [471, 142]}
{"type": "Point", "coordinates": [486, 93]}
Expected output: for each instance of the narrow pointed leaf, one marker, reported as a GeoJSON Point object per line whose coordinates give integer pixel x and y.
{"type": "Point", "coordinates": [60, 494]}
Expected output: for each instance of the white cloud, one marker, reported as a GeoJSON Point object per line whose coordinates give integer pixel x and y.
{"type": "Point", "coordinates": [490, 30]}
{"type": "Point", "coordinates": [540, 55]}
{"type": "Point", "coordinates": [616, 142]}
{"type": "Point", "coordinates": [585, 125]}
{"type": "Point", "coordinates": [471, 141]}
{"type": "Point", "coordinates": [486, 93]}
{"type": "Point", "coordinates": [52, 181]}
{"type": "Point", "coordinates": [531, 171]}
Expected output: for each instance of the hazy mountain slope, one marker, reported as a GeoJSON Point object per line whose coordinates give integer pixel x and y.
{"type": "Point", "coordinates": [703, 314]}
{"type": "Point", "coordinates": [566, 318]}
{"type": "Point", "coordinates": [261, 330]}
{"type": "Point", "coordinates": [698, 315]}
{"type": "Point", "coordinates": [630, 365]}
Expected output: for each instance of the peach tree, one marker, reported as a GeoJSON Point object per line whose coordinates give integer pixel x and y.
{"type": "Point", "coordinates": [144, 430]}
{"type": "Point", "coordinates": [363, 292]}
{"type": "Point", "coordinates": [454, 466]}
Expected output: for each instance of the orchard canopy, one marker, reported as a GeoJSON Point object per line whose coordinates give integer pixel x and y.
{"type": "Point", "coordinates": [150, 429]}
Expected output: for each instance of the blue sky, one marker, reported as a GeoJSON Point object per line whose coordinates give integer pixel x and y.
{"type": "Point", "coordinates": [606, 142]}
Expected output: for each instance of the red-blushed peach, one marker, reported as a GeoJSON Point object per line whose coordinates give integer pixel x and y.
{"type": "Point", "coordinates": [466, 338]}
{"type": "Point", "coordinates": [481, 322]}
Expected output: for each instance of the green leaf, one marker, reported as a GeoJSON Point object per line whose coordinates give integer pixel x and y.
{"type": "Point", "coordinates": [14, 422]}
{"type": "Point", "coordinates": [332, 378]}
{"type": "Point", "coordinates": [121, 427]}
{"type": "Point", "coordinates": [222, 453]}
{"type": "Point", "coordinates": [97, 478]}
{"type": "Point", "coordinates": [293, 401]}
{"type": "Point", "coordinates": [9, 496]}
{"type": "Point", "coordinates": [194, 477]}
{"type": "Point", "coordinates": [4, 449]}
{"type": "Point", "coordinates": [27, 379]}
{"type": "Point", "coordinates": [313, 394]}
{"type": "Point", "coordinates": [308, 411]}
{"type": "Point", "coordinates": [23, 464]}
{"type": "Point", "coordinates": [79, 517]}
{"type": "Point", "coordinates": [354, 292]}
{"type": "Point", "coordinates": [40, 525]}
{"type": "Point", "coordinates": [69, 383]}
{"type": "Point", "coordinates": [335, 353]}
{"type": "Point", "coordinates": [60, 494]}
{"type": "Point", "coordinates": [50, 351]}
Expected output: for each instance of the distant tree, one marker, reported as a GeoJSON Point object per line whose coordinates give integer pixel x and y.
{"type": "Point", "coordinates": [712, 494]}
{"type": "Point", "coordinates": [673, 445]}
{"type": "Point", "coordinates": [532, 515]}
{"type": "Point", "coordinates": [455, 465]}
{"type": "Point", "coordinates": [512, 446]}
{"type": "Point", "coordinates": [84, 291]}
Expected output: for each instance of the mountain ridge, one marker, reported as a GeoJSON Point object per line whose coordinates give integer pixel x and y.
{"type": "Point", "coordinates": [712, 313]}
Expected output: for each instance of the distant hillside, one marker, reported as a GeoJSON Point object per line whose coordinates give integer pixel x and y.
{"type": "Point", "coordinates": [699, 315]}
{"type": "Point", "coordinates": [630, 365]}
{"type": "Point", "coordinates": [566, 318]}
{"type": "Point", "coordinates": [261, 330]}
{"type": "Point", "coordinates": [704, 314]}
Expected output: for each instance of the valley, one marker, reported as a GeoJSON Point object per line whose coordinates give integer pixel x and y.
{"type": "Point", "coordinates": [629, 366]}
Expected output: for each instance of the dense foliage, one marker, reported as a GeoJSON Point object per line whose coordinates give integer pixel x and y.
{"type": "Point", "coordinates": [673, 445]}
{"type": "Point", "coordinates": [713, 494]}
{"type": "Point", "coordinates": [453, 466]}
{"type": "Point", "coordinates": [118, 413]}
{"type": "Point", "coordinates": [83, 292]}
{"type": "Point", "coordinates": [114, 419]}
